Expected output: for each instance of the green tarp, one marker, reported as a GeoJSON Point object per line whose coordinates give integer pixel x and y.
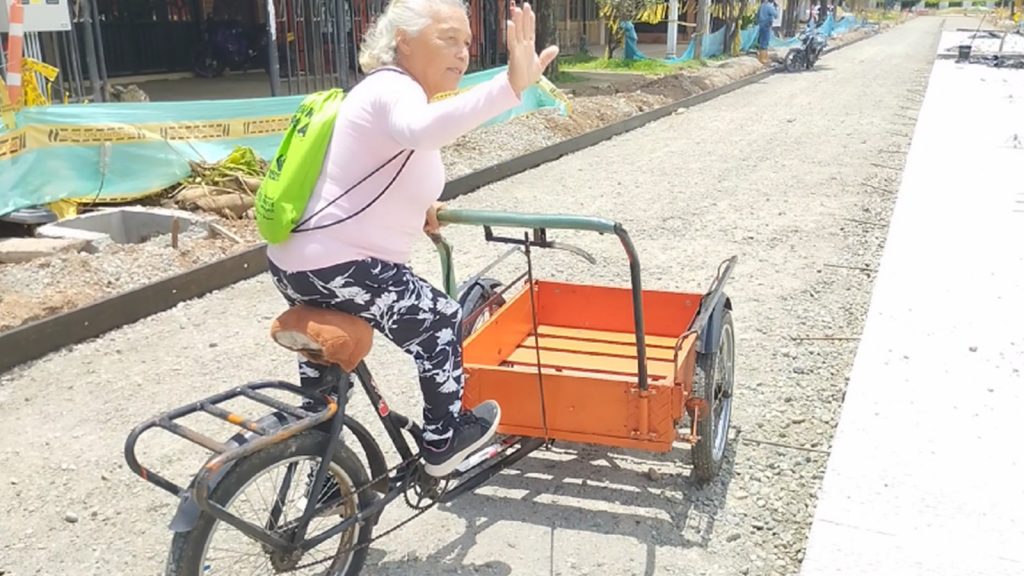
{"type": "Point", "coordinates": [120, 151]}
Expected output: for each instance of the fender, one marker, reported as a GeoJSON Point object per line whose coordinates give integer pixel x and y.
{"type": "Point", "coordinates": [712, 331]}
{"type": "Point", "coordinates": [474, 288]}
{"type": "Point", "coordinates": [188, 510]}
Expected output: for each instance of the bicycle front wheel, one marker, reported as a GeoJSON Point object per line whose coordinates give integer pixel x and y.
{"type": "Point", "coordinates": [272, 484]}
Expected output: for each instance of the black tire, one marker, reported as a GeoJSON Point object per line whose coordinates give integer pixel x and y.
{"type": "Point", "coordinates": [813, 59]}
{"type": "Point", "coordinates": [186, 557]}
{"type": "Point", "coordinates": [794, 60]}
{"type": "Point", "coordinates": [475, 296]}
{"type": "Point", "coordinates": [715, 371]}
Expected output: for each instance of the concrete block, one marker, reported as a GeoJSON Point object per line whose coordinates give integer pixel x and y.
{"type": "Point", "coordinates": [15, 250]}
{"type": "Point", "coordinates": [130, 225]}
{"type": "Point", "coordinates": [57, 231]}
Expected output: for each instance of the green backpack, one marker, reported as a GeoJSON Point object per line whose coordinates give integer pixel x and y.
{"type": "Point", "coordinates": [286, 188]}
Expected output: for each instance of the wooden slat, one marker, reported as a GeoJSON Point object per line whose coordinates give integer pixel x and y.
{"type": "Point", "coordinates": [605, 336]}
{"type": "Point", "coordinates": [587, 362]}
{"type": "Point", "coordinates": [532, 370]}
{"type": "Point", "coordinates": [593, 347]}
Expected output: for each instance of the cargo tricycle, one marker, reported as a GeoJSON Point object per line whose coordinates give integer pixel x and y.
{"type": "Point", "coordinates": [608, 366]}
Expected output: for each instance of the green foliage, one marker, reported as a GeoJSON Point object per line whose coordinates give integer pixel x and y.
{"type": "Point", "coordinates": [613, 12]}
{"type": "Point", "coordinates": [582, 63]}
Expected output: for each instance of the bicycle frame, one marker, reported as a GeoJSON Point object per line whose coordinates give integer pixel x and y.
{"type": "Point", "coordinates": [270, 429]}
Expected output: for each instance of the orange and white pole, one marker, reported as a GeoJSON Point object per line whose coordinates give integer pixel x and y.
{"type": "Point", "coordinates": [15, 47]}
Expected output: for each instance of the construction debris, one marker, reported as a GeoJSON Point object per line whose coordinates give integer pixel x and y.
{"type": "Point", "coordinates": [227, 188]}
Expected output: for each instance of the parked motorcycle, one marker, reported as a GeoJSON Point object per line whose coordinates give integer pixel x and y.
{"type": "Point", "coordinates": [804, 56]}
{"type": "Point", "coordinates": [227, 44]}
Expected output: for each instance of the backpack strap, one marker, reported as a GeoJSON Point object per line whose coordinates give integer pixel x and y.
{"type": "Point", "coordinates": [352, 187]}
{"type": "Point", "coordinates": [363, 179]}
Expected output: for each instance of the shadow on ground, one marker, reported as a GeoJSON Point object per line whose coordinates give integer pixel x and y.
{"type": "Point", "coordinates": [582, 488]}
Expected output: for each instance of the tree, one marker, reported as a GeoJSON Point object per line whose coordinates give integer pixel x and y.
{"type": "Point", "coordinates": [547, 31]}
{"type": "Point", "coordinates": [789, 18]}
{"type": "Point", "coordinates": [613, 13]}
{"type": "Point", "coordinates": [742, 18]}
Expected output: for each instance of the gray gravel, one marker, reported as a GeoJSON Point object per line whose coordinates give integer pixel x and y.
{"type": "Point", "coordinates": [47, 286]}
{"type": "Point", "coordinates": [771, 173]}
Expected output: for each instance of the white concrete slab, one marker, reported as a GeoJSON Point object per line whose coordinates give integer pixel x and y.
{"type": "Point", "coordinates": [984, 44]}
{"type": "Point", "coordinates": [926, 474]}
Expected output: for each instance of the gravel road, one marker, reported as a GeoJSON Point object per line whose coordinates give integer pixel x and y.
{"type": "Point", "coordinates": [795, 175]}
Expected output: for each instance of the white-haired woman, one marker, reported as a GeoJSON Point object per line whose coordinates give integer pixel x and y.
{"type": "Point", "coordinates": [378, 191]}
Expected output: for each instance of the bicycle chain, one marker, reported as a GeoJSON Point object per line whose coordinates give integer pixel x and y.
{"type": "Point", "coordinates": [373, 481]}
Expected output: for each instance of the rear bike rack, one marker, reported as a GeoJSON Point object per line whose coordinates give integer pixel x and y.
{"type": "Point", "coordinates": [223, 453]}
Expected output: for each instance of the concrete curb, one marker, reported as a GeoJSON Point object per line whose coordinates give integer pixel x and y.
{"type": "Point", "coordinates": [34, 340]}
{"type": "Point", "coordinates": [37, 339]}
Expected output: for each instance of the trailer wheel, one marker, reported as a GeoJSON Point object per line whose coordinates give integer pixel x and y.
{"type": "Point", "coordinates": [713, 383]}
{"type": "Point", "coordinates": [475, 296]}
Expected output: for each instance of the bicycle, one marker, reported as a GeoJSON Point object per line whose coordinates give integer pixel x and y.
{"type": "Point", "coordinates": [696, 382]}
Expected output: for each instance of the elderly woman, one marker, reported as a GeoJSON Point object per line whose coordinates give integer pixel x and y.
{"type": "Point", "coordinates": [378, 190]}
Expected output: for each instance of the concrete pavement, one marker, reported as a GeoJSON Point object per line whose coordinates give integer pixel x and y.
{"type": "Point", "coordinates": [926, 474]}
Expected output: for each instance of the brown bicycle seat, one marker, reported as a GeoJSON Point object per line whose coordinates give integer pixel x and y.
{"type": "Point", "coordinates": [324, 336]}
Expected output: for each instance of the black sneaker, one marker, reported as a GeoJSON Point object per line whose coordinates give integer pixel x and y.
{"type": "Point", "coordinates": [472, 431]}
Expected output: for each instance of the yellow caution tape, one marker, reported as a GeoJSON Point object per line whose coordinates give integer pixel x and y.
{"type": "Point", "coordinates": [40, 136]}
{"type": "Point", "coordinates": [6, 112]}
{"type": "Point", "coordinates": [12, 144]}
{"type": "Point", "coordinates": [65, 208]}
{"type": "Point", "coordinates": [556, 93]}
{"type": "Point", "coordinates": [34, 95]}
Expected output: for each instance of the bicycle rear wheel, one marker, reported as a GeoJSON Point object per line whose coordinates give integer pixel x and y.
{"type": "Point", "coordinates": [195, 553]}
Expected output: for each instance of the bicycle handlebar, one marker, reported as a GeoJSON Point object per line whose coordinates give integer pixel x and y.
{"type": "Point", "coordinates": [523, 220]}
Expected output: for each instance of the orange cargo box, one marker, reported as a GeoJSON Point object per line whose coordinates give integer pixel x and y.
{"type": "Point", "coordinates": [588, 364]}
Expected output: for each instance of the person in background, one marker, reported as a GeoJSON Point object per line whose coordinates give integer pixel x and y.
{"type": "Point", "coordinates": [766, 15]}
{"type": "Point", "coordinates": [381, 178]}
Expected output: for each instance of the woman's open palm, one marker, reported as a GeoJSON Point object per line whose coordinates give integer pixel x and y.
{"type": "Point", "coordinates": [525, 66]}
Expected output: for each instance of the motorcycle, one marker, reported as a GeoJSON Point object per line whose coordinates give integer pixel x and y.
{"type": "Point", "coordinates": [804, 56]}
{"type": "Point", "coordinates": [228, 44]}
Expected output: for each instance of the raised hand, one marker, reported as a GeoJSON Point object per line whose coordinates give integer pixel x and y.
{"type": "Point", "coordinates": [525, 66]}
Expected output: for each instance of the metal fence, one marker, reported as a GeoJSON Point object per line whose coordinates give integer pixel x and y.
{"type": "Point", "coordinates": [313, 44]}
{"type": "Point", "coordinates": [310, 48]}
{"type": "Point", "coordinates": [147, 36]}
{"type": "Point", "coordinates": [315, 49]}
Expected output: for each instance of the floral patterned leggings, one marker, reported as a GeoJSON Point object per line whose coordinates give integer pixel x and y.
{"type": "Point", "coordinates": [422, 320]}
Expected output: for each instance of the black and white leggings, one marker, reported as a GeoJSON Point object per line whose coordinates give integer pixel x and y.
{"type": "Point", "coordinates": [422, 320]}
